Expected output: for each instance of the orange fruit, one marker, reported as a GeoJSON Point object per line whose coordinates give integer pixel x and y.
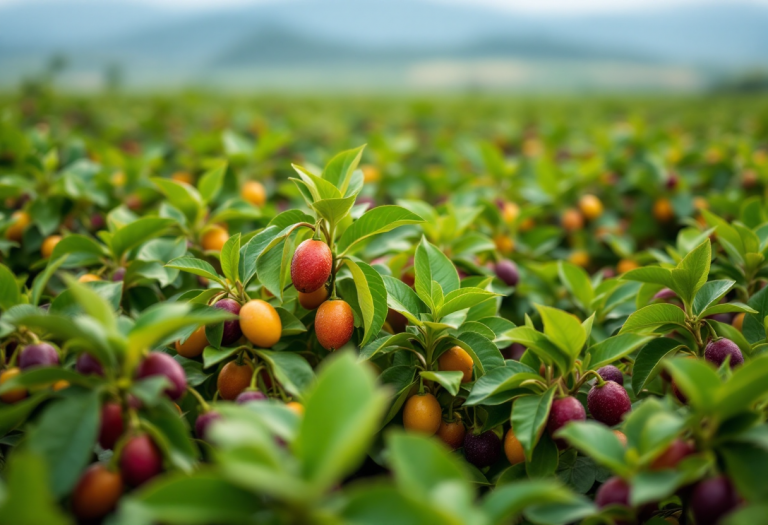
{"type": "Point", "coordinates": [590, 207]}
{"type": "Point", "coordinates": [513, 449]}
{"type": "Point", "coordinates": [504, 244]}
{"type": "Point", "coordinates": [738, 321]}
{"type": "Point", "coordinates": [510, 212]}
{"type": "Point", "coordinates": [183, 176]}
{"type": "Point", "coordinates": [572, 220]}
{"type": "Point", "coordinates": [88, 278]}
{"type": "Point", "coordinates": [370, 173]}
{"type": "Point", "coordinates": [662, 210]}
{"type": "Point", "coordinates": [233, 379]}
{"type": "Point", "coordinates": [214, 238]}
{"type": "Point", "coordinates": [15, 231]}
{"type": "Point", "coordinates": [15, 395]}
{"type": "Point", "coordinates": [422, 413]}
{"type": "Point", "coordinates": [296, 407]}
{"type": "Point", "coordinates": [48, 245]}
{"type": "Point", "coordinates": [579, 258]}
{"type": "Point", "coordinates": [194, 345]}
{"type": "Point", "coordinates": [311, 300]}
{"type": "Point", "coordinates": [254, 192]}
{"type": "Point", "coordinates": [61, 384]}
{"type": "Point", "coordinates": [118, 178]}
{"type": "Point", "coordinates": [527, 224]}
{"type": "Point", "coordinates": [452, 433]}
{"type": "Point", "coordinates": [334, 324]}
{"type": "Point", "coordinates": [260, 323]}
{"type": "Point", "coordinates": [457, 359]}
{"type": "Point", "coordinates": [97, 492]}
{"type": "Point", "coordinates": [626, 265]}
{"type": "Point", "coordinates": [622, 438]}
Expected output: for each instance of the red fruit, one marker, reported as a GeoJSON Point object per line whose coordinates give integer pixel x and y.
{"type": "Point", "coordinates": [717, 351]}
{"type": "Point", "coordinates": [674, 454]}
{"type": "Point", "coordinates": [311, 265]}
{"type": "Point", "coordinates": [611, 373]}
{"type": "Point", "coordinates": [87, 364]}
{"type": "Point", "coordinates": [232, 330]}
{"type": "Point", "coordinates": [482, 450]}
{"type": "Point", "coordinates": [615, 491]}
{"type": "Point", "coordinates": [112, 426]}
{"type": "Point", "coordinates": [248, 396]}
{"type": "Point", "coordinates": [41, 354]}
{"type": "Point", "coordinates": [141, 460]}
{"type": "Point", "coordinates": [712, 499]}
{"type": "Point", "coordinates": [334, 324]}
{"type": "Point", "coordinates": [564, 411]}
{"type": "Point", "coordinates": [608, 403]}
{"type": "Point", "coordinates": [158, 363]}
{"type": "Point", "coordinates": [97, 493]}
{"type": "Point", "coordinates": [204, 422]}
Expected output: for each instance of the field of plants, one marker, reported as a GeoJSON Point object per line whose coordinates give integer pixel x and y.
{"type": "Point", "coordinates": [383, 311]}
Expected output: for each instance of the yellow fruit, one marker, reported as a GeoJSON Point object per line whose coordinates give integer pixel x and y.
{"type": "Point", "coordinates": [513, 449]}
{"type": "Point", "coordinates": [370, 173]}
{"type": "Point", "coordinates": [738, 321]}
{"type": "Point", "coordinates": [254, 192]}
{"type": "Point", "coordinates": [48, 245]}
{"type": "Point", "coordinates": [458, 360]}
{"type": "Point", "coordinates": [510, 212]}
{"type": "Point", "coordinates": [591, 207]}
{"type": "Point", "coordinates": [296, 407]}
{"type": "Point", "coordinates": [422, 413]}
{"type": "Point", "coordinates": [60, 385]}
{"type": "Point", "coordinates": [260, 323]}
{"type": "Point", "coordinates": [579, 258]}
{"type": "Point", "coordinates": [572, 220]}
{"type": "Point", "coordinates": [504, 244]}
{"type": "Point", "coordinates": [626, 265]}
{"type": "Point", "coordinates": [194, 345]}
{"type": "Point", "coordinates": [214, 238]}
{"type": "Point", "coordinates": [183, 176]}
{"type": "Point", "coordinates": [662, 210]}
{"type": "Point", "coordinates": [15, 395]}
{"type": "Point", "coordinates": [312, 300]}
{"type": "Point", "coordinates": [20, 222]}
{"type": "Point", "coordinates": [118, 178]}
{"type": "Point", "coordinates": [88, 278]}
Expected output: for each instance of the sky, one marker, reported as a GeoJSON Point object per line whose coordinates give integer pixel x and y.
{"type": "Point", "coordinates": [561, 6]}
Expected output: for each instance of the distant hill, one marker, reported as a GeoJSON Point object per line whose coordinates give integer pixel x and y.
{"type": "Point", "coordinates": [154, 45]}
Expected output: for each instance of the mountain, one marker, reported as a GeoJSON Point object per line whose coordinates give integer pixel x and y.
{"type": "Point", "coordinates": [153, 44]}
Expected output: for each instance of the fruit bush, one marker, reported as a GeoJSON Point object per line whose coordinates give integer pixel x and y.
{"type": "Point", "coordinates": [208, 316]}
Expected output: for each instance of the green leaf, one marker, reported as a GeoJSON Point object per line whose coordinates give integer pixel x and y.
{"type": "Point", "coordinates": [402, 298]}
{"type": "Point", "coordinates": [181, 196]}
{"type": "Point", "coordinates": [334, 210]}
{"type": "Point", "coordinates": [65, 436]}
{"type": "Point", "coordinates": [41, 281]}
{"type": "Point", "coordinates": [648, 363]}
{"type": "Point", "coordinates": [545, 458]}
{"type": "Point", "coordinates": [692, 272]}
{"type": "Point", "coordinates": [529, 416]}
{"type": "Point", "coordinates": [291, 325]}
{"type": "Point", "coordinates": [754, 325]}
{"type": "Point", "coordinates": [45, 376]}
{"type": "Point", "coordinates": [230, 258]}
{"type": "Point", "coordinates": [138, 232]}
{"type": "Point", "coordinates": [598, 442]}
{"type": "Point", "coordinates": [432, 265]}
{"type": "Point", "coordinates": [615, 348]}
{"type": "Point", "coordinates": [710, 294]}
{"type": "Point", "coordinates": [213, 356]}
{"type": "Point", "coordinates": [697, 380]}
{"type": "Point", "coordinates": [652, 317]}
{"type": "Point", "coordinates": [463, 298]}
{"type": "Point", "coordinates": [509, 500]}
{"type": "Point", "coordinates": [342, 414]}
{"type": "Point", "coordinates": [746, 465]}
{"type": "Point", "coordinates": [564, 330]}
{"type": "Point", "coordinates": [451, 381]}
{"type": "Point", "coordinates": [485, 355]}
{"type": "Point", "coordinates": [27, 499]}
{"type": "Point", "coordinates": [80, 249]}
{"type": "Point", "coordinates": [373, 222]}
{"type": "Point", "coordinates": [371, 296]}
{"type": "Point", "coordinates": [339, 169]}
{"type": "Point", "coordinates": [210, 183]}
{"type": "Point", "coordinates": [197, 267]}
{"type": "Point", "coordinates": [93, 303]}
{"type": "Point", "coordinates": [291, 370]}
{"type": "Point", "coordinates": [499, 380]}
{"type": "Point", "coordinates": [577, 281]}
{"type": "Point", "coordinates": [11, 416]}
{"type": "Point", "coordinates": [9, 288]}
{"type": "Point", "coordinates": [744, 388]}
{"type": "Point", "coordinates": [652, 275]}
{"type": "Point", "coordinates": [540, 345]}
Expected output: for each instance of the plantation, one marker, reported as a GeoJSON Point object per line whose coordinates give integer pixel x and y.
{"type": "Point", "coordinates": [379, 311]}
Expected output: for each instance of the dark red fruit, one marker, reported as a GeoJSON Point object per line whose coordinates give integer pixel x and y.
{"type": "Point", "coordinates": [311, 265]}
{"type": "Point", "coordinates": [112, 426]}
{"type": "Point", "coordinates": [665, 294]}
{"type": "Point", "coordinates": [679, 394]}
{"type": "Point", "coordinates": [563, 411]}
{"type": "Point", "coordinates": [717, 351]}
{"type": "Point", "coordinates": [712, 499]}
{"type": "Point", "coordinates": [88, 365]}
{"type": "Point", "coordinates": [611, 373]}
{"type": "Point", "coordinates": [674, 454]}
{"type": "Point", "coordinates": [608, 403]}
{"type": "Point", "coordinates": [397, 321]}
{"type": "Point", "coordinates": [248, 396]}
{"type": "Point", "coordinates": [232, 331]}
{"type": "Point", "coordinates": [204, 422]}
{"type": "Point", "coordinates": [672, 181]}
{"type": "Point", "coordinates": [721, 318]}
{"type": "Point", "coordinates": [160, 364]}
{"type": "Point", "coordinates": [514, 351]}
{"type": "Point", "coordinates": [41, 354]}
{"type": "Point", "coordinates": [141, 460]}
{"type": "Point", "coordinates": [507, 271]}
{"type": "Point", "coordinates": [483, 449]}
{"type": "Point", "coordinates": [118, 275]}
{"type": "Point", "coordinates": [615, 491]}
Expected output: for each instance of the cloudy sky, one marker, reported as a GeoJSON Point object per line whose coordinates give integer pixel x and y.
{"type": "Point", "coordinates": [576, 6]}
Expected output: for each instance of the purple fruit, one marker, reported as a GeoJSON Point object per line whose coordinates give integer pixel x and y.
{"type": "Point", "coordinates": [721, 318]}
{"type": "Point", "coordinates": [716, 352]}
{"type": "Point", "coordinates": [712, 499]}
{"type": "Point", "coordinates": [118, 275]}
{"type": "Point", "coordinates": [514, 351]}
{"type": "Point", "coordinates": [370, 201]}
{"type": "Point", "coordinates": [608, 403]}
{"type": "Point", "coordinates": [672, 181]}
{"type": "Point", "coordinates": [615, 491]}
{"type": "Point", "coordinates": [97, 221]}
{"type": "Point", "coordinates": [483, 449]}
{"type": "Point", "coordinates": [563, 411]}
{"type": "Point", "coordinates": [665, 294]}
{"type": "Point", "coordinates": [249, 395]}
{"type": "Point", "coordinates": [232, 331]}
{"type": "Point", "coordinates": [204, 422]}
{"type": "Point", "coordinates": [611, 373]}
{"type": "Point", "coordinates": [88, 365]}
{"type": "Point", "coordinates": [160, 364]}
{"type": "Point", "coordinates": [141, 460]}
{"type": "Point", "coordinates": [507, 271]}
{"type": "Point", "coordinates": [41, 354]}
